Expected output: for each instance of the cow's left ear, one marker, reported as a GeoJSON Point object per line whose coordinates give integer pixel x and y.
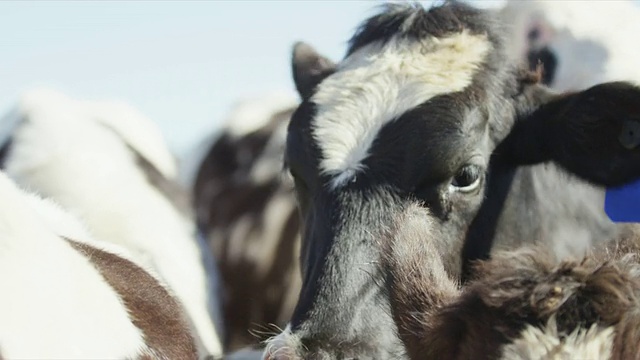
{"type": "Point", "coordinates": [594, 134]}
{"type": "Point", "coordinates": [309, 68]}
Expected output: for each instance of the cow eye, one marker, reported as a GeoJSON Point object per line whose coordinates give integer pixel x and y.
{"type": "Point", "coordinates": [467, 179]}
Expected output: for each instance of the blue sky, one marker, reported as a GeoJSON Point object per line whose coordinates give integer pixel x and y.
{"type": "Point", "coordinates": [182, 63]}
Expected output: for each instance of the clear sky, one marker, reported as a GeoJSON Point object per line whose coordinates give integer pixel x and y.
{"type": "Point", "coordinates": [182, 63]}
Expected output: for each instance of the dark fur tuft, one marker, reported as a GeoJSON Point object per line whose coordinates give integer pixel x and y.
{"type": "Point", "coordinates": [515, 289]}
{"type": "Point", "coordinates": [412, 21]}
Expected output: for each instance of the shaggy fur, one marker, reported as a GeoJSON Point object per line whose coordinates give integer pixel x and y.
{"type": "Point", "coordinates": [520, 303]}
{"type": "Point", "coordinates": [383, 83]}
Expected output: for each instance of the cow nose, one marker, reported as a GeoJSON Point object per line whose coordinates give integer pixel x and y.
{"type": "Point", "coordinates": [549, 61]}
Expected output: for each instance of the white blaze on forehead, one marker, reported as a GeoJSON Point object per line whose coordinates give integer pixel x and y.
{"type": "Point", "coordinates": [377, 84]}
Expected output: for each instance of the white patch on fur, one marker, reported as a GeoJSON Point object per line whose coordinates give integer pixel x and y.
{"type": "Point", "coordinates": [250, 115]}
{"type": "Point", "coordinates": [377, 84]}
{"type": "Point", "coordinates": [268, 166]}
{"type": "Point", "coordinates": [536, 343]}
{"type": "Point", "coordinates": [283, 346]}
{"type": "Point", "coordinates": [63, 151]}
{"type": "Point", "coordinates": [245, 117]}
{"type": "Point", "coordinates": [54, 303]}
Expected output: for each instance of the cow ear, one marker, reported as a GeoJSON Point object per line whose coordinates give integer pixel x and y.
{"type": "Point", "coordinates": [309, 68]}
{"type": "Point", "coordinates": [594, 133]}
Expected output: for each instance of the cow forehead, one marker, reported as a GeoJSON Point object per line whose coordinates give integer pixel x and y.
{"type": "Point", "coordinates": [377, 84]}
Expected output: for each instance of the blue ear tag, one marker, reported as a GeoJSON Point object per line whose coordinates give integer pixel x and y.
{"type": "Point", "coordinates": [622, 204]}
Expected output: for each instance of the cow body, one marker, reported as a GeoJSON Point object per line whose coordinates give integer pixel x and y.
{"type": "Point", "coordinates": [66, 295]}
{"type": "Point", "coordinates": [246, 207]}
{"type": "Point", "coordinates": [108, 165]}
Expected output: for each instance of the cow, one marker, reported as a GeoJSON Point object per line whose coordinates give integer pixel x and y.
{"type": "Point", "coordinates": [246, 208]}
{"type": "Point", "coordinates": [427, 106]}
{"type": "Point", "coordinates": [108, 164]}
{"type": "Point", "coordinates": [67, 295]}
{"type": "Point", "coordinates": [580, 44]}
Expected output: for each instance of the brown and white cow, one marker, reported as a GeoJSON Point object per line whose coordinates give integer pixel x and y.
{"type": "Point", "coordinates": [246, 207]}
{"type": "Point", "coordinates": [68, 296]}
{"type": "Point", "coordinates": [108, 164]}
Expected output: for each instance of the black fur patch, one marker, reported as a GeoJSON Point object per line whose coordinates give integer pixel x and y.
{"type": "Point", "coordinates": [4, 152]}
{"type": "Point", "coordinates": [412, 21]}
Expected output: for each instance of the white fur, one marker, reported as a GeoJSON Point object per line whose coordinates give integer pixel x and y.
{"type": "Point", "coordinates": [57, 220]}
{"type": "Point", "coordinates": [252, 114]}
{"type": "Point", "coordinates": [545, 343]}
{"type": "Point", "coordinates": [593, 40]}
{"type": "Point", "coordinates": [268, 166]}
{"type": "Point", "coordinates": [377, 84]}
{"type": "Point", "coordinates": [136, 129]}
{"type": "Point", "coordinates": [245, 117]}
{"type": "Point", "coordinates": [63, 151]}
{"type": "Point", "coordinates": [283, 346]}
{"type": "Point", "coordinates": [54, 303]}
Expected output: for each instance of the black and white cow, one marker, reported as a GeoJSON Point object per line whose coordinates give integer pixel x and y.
{"type": "Point", "coordinates": [580, 44]}
{"type": "Point", "coordinates": [108, 164]}
{"type": "Point", "coordinates": [427, 107]}
{"type": "Point", "coordinates": [66, 295]}
{"type": "Point", "coordinates": [246, 207]}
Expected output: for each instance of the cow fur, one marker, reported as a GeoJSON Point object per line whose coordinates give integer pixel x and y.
{"type": "Point", "coordinates": [522, 304]}
{"type": "Point", "coordinates": [66, 295]}
{"type": "Point", "coordinates": [109, 165]}
{"type": "Point", "coordinates": [580, 44]}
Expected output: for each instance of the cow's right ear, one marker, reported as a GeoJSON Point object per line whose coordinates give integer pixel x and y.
{"type": "Point", "coordinates": [309, 68]}
{"type": "Point", "coordinates": [594, 133]}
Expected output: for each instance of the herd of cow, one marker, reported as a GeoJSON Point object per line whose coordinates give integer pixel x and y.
{"type": "Point", "coordinates": [436, 194]}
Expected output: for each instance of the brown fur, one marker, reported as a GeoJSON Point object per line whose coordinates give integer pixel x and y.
{"type": "Point", "coordinates": [437, 320]}
{"type": "Point", "coordinates": [152, 308]}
